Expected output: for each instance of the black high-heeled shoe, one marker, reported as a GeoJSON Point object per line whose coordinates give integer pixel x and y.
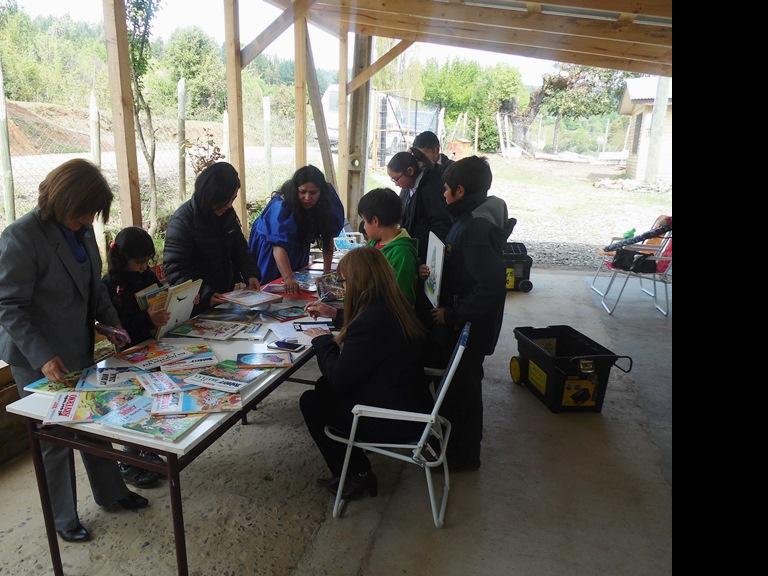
{"type": "Point", "coordinates": [356, 485]}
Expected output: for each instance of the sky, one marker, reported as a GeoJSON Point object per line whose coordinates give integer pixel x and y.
{"type": "Point", "coordinates": [255, 15]}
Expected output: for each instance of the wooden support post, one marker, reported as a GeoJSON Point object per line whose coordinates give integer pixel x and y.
{"type": "Point", "coordinates": [300, 75]}
{"type": "Point", "coordinates": [119, 69]}
{"type": "Point", "coordinates": [317, 112]}
{"type": "Point", "coordinates": [477, 133]}
{"type": "Point", "coordinates": [501, 135]}
{"type": "Point", "coordinates": [358, 135]}
{"type": "Point", "coordinates": [98, 223]}
{"type": "Point", "coordinates": [181, 95]}
{"type": "Point", "coordinates": [267, 113]}
{"type": "Point", "coordinates": [6, 171]}
{"type": "Point", "coordinates": [657, 129]}
{"type": "Point", "coordinates": [343, 159]}
{"type": "Point", "coordinates": [236, 147]}
{"type": "Point", "coordinates": [295, 11]}
{"type": "Point", "coordinates": [365, 75]}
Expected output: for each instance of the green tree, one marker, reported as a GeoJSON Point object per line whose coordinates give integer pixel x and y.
{"type": "Point", "coordinates": [139, 15]}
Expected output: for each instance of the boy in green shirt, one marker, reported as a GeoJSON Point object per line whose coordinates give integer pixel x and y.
{"type": "Point", "coordinates": [381, 211]}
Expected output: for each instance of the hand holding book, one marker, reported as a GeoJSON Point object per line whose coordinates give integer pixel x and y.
{"type": "Point", "coordinates": [118, 336]}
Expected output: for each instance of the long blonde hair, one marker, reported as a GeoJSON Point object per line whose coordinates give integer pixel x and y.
{"type": "Point", "coordinates": [368, 278]}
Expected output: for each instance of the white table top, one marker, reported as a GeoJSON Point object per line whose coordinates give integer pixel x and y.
{"type": "Point", "coordinates": [36, 405]}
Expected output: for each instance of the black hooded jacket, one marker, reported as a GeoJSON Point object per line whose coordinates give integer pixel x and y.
{"type": "Point", "coordinates": [474, 274]}
{"type": "Point", "coordinates": [426, 211]}
{"type": "Point", "coordinates": [199, 244]}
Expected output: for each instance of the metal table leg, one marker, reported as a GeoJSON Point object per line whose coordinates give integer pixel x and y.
{"type": "Point", "coordinates": [174, 484]}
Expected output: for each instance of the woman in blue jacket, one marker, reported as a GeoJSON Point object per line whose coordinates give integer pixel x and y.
{"type": "Point", "coordinates": [304, 210]}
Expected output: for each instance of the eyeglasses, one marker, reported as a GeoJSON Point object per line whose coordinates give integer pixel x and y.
{"type": "Point", "coordinates": [397, 179]}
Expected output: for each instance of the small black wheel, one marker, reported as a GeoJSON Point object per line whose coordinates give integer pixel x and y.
{"type": "Point", "coordinates": [526, 285]}
{"type": "Point", "coordinates": [514, 370]}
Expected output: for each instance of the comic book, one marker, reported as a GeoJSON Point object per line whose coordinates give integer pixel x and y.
{"type": "Point", "coordinates": [225, 376]}
{"type": "Point", "coordinates": [158, 383]}
{"type": "Point", "coordinates": [136, 416]}
{"type": "Point", "coordinates": [264, 360]}
{"type": "Point", "coordinates": [113, 378]}
{"type": "Point", "coordinates": [45, 386]}
{"type": "Point", "coordinates": [201, 400]}
{"type": "Point", "coordinates": [330, 287]}
{"type": "Point", "coordinates": [152, 354]}
{"type": "Point", "coordinates": [76, 407]}
{"type": "Point", "coordinates": [208, 329]}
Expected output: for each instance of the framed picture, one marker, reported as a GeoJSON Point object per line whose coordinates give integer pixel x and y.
{"type": "Point", "coordinates": [435, 255]}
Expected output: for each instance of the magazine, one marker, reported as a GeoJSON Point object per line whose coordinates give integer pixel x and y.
{"type": "Point", "coordinates": [45, 386]}
{"type": "Point", "coordinates": [330, 287]}
{"type": "Point", "coordinates": [136, 416]}
{"type": "Point", "coordinates": [264, 360]}
{"type": "Point", "coordinates": [208, 329]}
{"type": "Point", "coordinates": [247, 297]}
{"type": "Point", "coordinates": [115, 378]}
{"type": "Point", "coordinates": [201, 400]}
{"type": "Point", "coordinates": [194, 362]}
{"type": "Point", "coordinates": [179, 304]}
{"type": "Point", "coordinates": [158, 383]}
{"type": "Point", "coordinates": [76, 407]}
{"type": "Point", "coordinates": [435, 253]}
{"type": "Point", "coordinates": [152, 354]}
{"type": "Point", "coordinates": [224, 376]}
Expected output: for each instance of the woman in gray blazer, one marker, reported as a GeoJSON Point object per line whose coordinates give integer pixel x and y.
{"type": "Point", "coordinates": [50, 296]}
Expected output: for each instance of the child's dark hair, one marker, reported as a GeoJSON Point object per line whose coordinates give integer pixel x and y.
{"type": "Point", "coordinates": [383, 204]}
{"type": "Point", "coordinates": [472, 172]}
{"type": "Point", "coordinates": [130, 243]}
{"type": "Point", "coordinates": [427, 139]}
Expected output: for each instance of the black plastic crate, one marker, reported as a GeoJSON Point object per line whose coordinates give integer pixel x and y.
{"type": "Point", "coordinates": [563, 368]}
{"type": "Point", "coordinates": [518, 265]}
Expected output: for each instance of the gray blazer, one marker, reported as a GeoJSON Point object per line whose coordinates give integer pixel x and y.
{"type": "Point", "coordinates": [46, 309]}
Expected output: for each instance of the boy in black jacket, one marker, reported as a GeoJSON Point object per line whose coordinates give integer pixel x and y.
{"type": "Point", "coordinates": [473, 289]}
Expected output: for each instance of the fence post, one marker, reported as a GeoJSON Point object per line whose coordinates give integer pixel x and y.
{"type": "Point", "coordinates": [95, 124]}
{"type": "Point", "coordinates": [605, 137]}
{"type": "Point", "coordinates": [501, 135]}
{"type": "Point", "coordinates": [267, 113]}
{"type": "Point", "coordinates": [181, 94]}
{"type": "Point", "coordinates": [477, 132]}
{"type": "Point", "coordinates": [5, 158]}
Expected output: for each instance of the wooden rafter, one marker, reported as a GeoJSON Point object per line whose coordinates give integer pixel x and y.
{"type": "Point", "coordinates": [385, 59]}
{"type": "Point", "coordinates": [658, 8]}
{"type": "Point", "coordinates": [296, 10]}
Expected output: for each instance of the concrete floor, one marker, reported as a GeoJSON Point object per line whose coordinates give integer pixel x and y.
{"type": "Point", "coordinates": [557, 493]}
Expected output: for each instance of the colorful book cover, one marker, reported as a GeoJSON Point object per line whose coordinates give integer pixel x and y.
{"type": "Point", "coordinates": [285, 314]}
{"type": "Point", "coordinates": [224, 376]}
{"type": "Point", "coordinates": [330, 287]}
{"type": "Point", "coordinates": [246, 297]}
{"type": "Point", "coordinates": [158, 383]}
{"type": "Point", "coordinates": [230, 314]}
{"type": "Point", "coordinates": [251, 332]}
{"type": "Point", "coordinates": [76, 407]}
{"type": "Point", "coordinates": [152, 354]}
{"type": "Point", "coordinates": [117, 378]}
{"type": "Point", "coordinates": [201, 400]}
{"type": "Point", "coordinates": [178, 376]}
{"type": "Point", "coordinates": [264, 360]}
{"type": "Point", "coordinates": [194, 362]}
{"type": "Point", "coordinates": [208, 329]}
{"type": "Point", "coordinates": [136, 416]}
{"type": "Point", "coordinates": [45, 386]}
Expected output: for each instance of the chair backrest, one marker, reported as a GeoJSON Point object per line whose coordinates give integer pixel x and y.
{"type": "Point", "coordinates": [453, 364]}
{"type": "Point", "coordinates": [665, 251]}
{"type": "Point", "coordinates": [658, 223]}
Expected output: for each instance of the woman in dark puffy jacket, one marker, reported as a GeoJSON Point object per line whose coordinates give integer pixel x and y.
{"type": "Point", "coordinates": [205, 239]}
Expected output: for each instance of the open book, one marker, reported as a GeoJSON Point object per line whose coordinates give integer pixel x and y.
{"type": "Point", "coordinates": [435, 254]}
{"type": "Point", "coordinates": [136, 416]}
{"type": "Point", "coordinates": [179, 303]}
{"type": "Point", "coordinates": [247, 297]}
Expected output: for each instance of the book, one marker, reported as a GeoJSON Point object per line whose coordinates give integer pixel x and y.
{"type": "Point", "coordinates": [201, 400]}
{"type": "Point", "coordinates": [208, 329]}
{"type": "Point", "coordinates": [264, 360]}
{"type": "Point", "coordinates": [330, 287]}
{"type": "Point", "coordinates": [77, 407]}
{"type": "Point", "coordinates": [141, 295]}
{"type": "Point", "coordinates": [247, 297]}
{"type": "Point", "coordinates": [116, 378]}
{"type": "Point", "coordinates": [152, 354]}
{"type": "Point", "coordinates": [194, 362]}
{"type": "Point", "coordinates": [225, 376]}
{"type": "Point", "coordinates": [158, 383]}
{"type": "Point", "coordinates": [136, 416]}
{"type": "Point", "coordinates": [285, 314]}
{"type": "Point", "coordinates": [179, 304]}
{"type": "Point", "coordinates": [230, 313]}
{"type": "Point", "coordinates": [45, 386]}
{"type": "Point", "coordinates": [252, 331]}
{"type": "Point", "coordinates": [435, 254]}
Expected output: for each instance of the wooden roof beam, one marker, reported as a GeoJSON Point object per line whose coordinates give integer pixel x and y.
{"type": "Point", "coordinates": [660, 8]}
{"type": "Point", "coordinates": [659, 69]}
{"type": "Point", "coordinates": [385, 59]}
{"type": "Point", "coordinates": [397, 24]}
{"type": "Point", "coordinates": [442, 12]}
{"type": "Point", "coordinates": [294, 11]}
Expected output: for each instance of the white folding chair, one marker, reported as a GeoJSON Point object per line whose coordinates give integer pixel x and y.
{"type": "Point", "coordinates": [421, 452]}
